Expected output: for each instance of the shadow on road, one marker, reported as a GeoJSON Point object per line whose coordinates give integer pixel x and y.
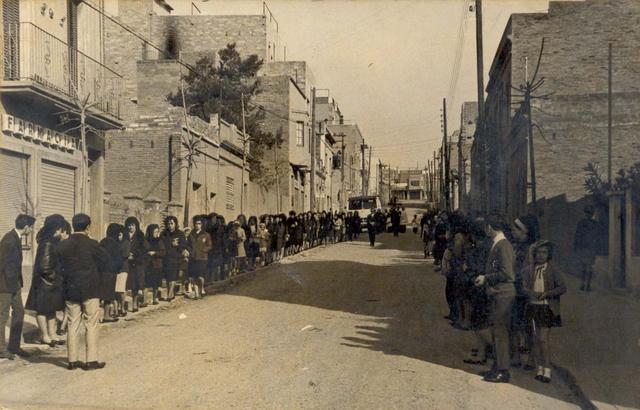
{"type": "Point", "coordinates": [402, 296]}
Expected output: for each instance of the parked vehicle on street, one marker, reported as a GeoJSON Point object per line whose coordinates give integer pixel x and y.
{"type": "Point", "coordinates": [363, 205]}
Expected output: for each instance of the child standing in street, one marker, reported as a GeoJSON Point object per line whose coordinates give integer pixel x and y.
{"type": "Point", "coordinates": [543, 284]}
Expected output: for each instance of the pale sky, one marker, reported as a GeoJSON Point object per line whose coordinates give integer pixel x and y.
{"type": "Point", "coordinates": [388, 63]}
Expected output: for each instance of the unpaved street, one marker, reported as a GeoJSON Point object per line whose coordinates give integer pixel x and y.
{"type": "Point", "coordinates": [339, 327]}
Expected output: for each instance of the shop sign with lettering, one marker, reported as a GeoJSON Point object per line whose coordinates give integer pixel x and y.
{"type": "Point", "coordinates": [29, 131]}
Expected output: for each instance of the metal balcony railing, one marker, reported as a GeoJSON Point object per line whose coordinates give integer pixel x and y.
{"type": "Point", "coordinates": [31, 53]}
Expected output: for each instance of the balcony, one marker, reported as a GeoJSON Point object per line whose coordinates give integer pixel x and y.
{"type": "Point", "coordinates": [44, 71]}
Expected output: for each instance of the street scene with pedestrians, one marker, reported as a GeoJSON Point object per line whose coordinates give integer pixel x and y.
{"type": "Point", "coordinates": [189, 218]}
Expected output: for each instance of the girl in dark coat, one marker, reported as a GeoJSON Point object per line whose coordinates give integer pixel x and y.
{"type": "Point", "coordinates": [45, 296]}
{"type": "Point", "coordinates": [218, 250]}
{"type": "Point", "coordinates": [155, 260]}
{"type": "Point", "coordinates": [175, 245]}
{"type": "Point", "coordinates": [112, 244]}
{"type": "Point", "coordinates": [136, 261]}
{"type": "Point", "coordinates": [281, 236]}
{"type": "Point", "coordinates": [253, 242]}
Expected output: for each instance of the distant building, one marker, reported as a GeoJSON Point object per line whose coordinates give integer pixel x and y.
{"type": "Point", "coordinates": [409, 184]}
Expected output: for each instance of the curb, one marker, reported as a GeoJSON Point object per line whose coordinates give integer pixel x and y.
{"type": "Point", "coordinates": [569, 379]}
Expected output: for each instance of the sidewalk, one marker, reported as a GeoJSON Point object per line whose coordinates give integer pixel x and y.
{"type": "Point", "coordinates": [599, 345]}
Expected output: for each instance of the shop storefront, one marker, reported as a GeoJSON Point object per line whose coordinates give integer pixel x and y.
{"type": "Point", "coordinates": [40, 172]}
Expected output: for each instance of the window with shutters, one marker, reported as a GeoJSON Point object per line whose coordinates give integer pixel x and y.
{"type": "Point", "coordinates": [230, 193]}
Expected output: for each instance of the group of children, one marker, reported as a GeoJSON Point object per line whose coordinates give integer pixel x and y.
{"type": "Point", "coordinates": [172, 261]}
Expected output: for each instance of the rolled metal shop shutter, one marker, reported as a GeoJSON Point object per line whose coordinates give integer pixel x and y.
{"type": "Point", "coordinates": [57, 190]}
{"type": "Point", "coordinates": [14, 182]}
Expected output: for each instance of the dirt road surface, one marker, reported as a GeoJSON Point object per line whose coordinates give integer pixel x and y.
{"type": "Point", "coordinates": [341, 327]}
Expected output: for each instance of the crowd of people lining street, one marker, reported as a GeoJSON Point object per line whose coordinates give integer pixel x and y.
{"type": "Point", "coordinates": [501, 281]}
{"type": "Point", "coordinates": [78, 280]}
{"type": "Point", "coordinates": [502, 284]}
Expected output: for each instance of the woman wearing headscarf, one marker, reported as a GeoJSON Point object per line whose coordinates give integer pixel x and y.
{"type": "Point", "coordinates": [155, 260]}
{"type": "Point", "coordinates": [45, 296]}
{"type": "Point", "coordinates": [175, 245]}
{"type": "Point", "coordinates": [112, 244]}
{"type": "Point", "coordinates": [136, 261]}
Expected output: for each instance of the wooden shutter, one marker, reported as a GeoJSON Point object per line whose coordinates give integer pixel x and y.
{"type": "Point", "coordinates": [57, 190]}
{"type": "Point", "coordinates": [14, 183]}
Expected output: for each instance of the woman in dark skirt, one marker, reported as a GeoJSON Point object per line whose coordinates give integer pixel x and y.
{"type": "Point", "coordinates": [136, 261]}
{"type": "Point", "coordinates": [175, 245]}
{"type": "Point", "coordinates": [112, 244]}
{"type": "Point", "coordinates": [475, 297]}
{"type": "Point", "coordinates": [281, 235]}
{"type": "Point", "coordinates": [218, 249]}
{"type": "Point", "coordinates": [543, 284]}
{"type": "Point", "coordinates": [155, 260]}
{"type": "Point", "coordinates": [253, 242]}
{"type": "Point", "coordinates": [45, 296]}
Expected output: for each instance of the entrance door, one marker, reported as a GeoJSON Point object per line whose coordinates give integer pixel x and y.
{"type": "Point", "coordinates": [57, 190]}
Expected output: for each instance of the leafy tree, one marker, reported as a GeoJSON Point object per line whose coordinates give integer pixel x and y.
{"type": "Point", "coordinates": [218, 89]}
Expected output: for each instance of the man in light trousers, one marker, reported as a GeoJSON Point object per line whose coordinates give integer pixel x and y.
{"type": "Point", "coordinates": [82, 261]}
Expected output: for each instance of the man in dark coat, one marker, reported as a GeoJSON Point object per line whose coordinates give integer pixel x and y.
{"type": "Point", "coordinates": [11, 286]}
{"type": "Point", "coordinates": [585, 246]}
{"type": "Point", "coordinates": [82, 261]}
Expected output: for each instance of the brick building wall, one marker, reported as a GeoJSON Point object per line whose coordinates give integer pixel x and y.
{"type": "Point", "coordinates": [299, 71]}
{"type": "Point", "coordinates": [573, 118]}
{"type": "Point", "coordinates": [574, 65]}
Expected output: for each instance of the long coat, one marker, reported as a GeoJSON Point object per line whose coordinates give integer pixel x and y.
{"type": "Point", "coordinates": [117, 256]}
{"type": "Point", "coordinates": [10, 263]}
{"type": "Point", "coordinates": [137, 265]}
{"type": "Point", "coordinates": [174, 244]}
{"type": "Point", "coordinates": [83, 261]}
{"type": "Point", "coordinates": [45, 295]}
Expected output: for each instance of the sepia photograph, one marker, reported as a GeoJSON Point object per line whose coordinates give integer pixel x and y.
{"type": "Point", "coordinates": [320, 204]}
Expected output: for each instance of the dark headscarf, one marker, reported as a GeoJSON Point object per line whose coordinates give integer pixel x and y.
{"type": "Point", "coordinates": [150, 230]}
{"type": "Point", "coordinates": [114, 230]}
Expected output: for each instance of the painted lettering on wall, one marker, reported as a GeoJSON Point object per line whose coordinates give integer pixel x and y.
{"type": "Point", "coordinates": [29, 131]}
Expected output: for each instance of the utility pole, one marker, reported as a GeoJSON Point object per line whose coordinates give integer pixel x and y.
{"type": "Point", "coordinates": [362, 148]}
{"type": "Point", "coordinates": [244, 154]}
{"type": "Point", "coordinates": [610, 121]}
{"type": "Point", "coordinates": [389, 183]}
{"type": "Point", "coordinates": [480, 80]}
{"type": "Point", "coordinates": [461, 175]}
{"type": "Point", "coordinates": [312, 142]}
{"type": "Point", "coordinates": [532, 161]}
{"type": "Point", "coordinates": [368, 173]}
{"type": "Point", "coordinates": [445, 152]}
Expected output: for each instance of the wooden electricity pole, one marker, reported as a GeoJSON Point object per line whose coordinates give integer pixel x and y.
{"type": "Point", "coordinates": [481, 120]}
{"type": "Point", "coordinates": [244, 154]}
{"type": "Point", "coordinates": [445, 153]}
{"type": "Point", "coordinates": [312, 141]}
{"type": "Point", "coordinates": [610, 121]}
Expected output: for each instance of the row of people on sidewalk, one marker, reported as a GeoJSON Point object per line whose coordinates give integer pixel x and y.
{"type": "Point", "coordinates": [74, 274]}
{"type": "Point", "coordinates": [502, 284]}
